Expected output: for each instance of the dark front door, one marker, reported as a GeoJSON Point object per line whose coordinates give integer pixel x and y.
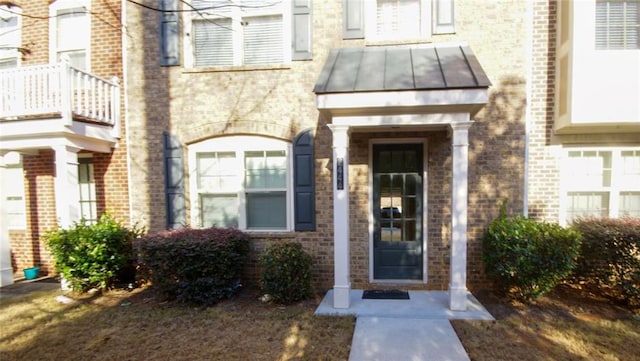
{"type": "Point", "coordinates": [397, 210]}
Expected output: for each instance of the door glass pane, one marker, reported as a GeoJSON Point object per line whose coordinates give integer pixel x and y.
{"type": "Point", "coordinates": [409, 231]}
{"type": "Point", "coordinates": [220, 210]}
{"type": "Point", "coordinates": [266, 210]}
{"type": "Point", "coordinates": [384, 165]}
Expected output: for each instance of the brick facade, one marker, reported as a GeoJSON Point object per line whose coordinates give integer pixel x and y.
{"type": "Point", "coordinates": [195, 105]}
{"type": "Point", "coordinates": [110, 170]}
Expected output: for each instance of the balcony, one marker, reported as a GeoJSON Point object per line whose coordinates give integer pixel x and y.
{"type": "Point", "coordinates": [55, 104]}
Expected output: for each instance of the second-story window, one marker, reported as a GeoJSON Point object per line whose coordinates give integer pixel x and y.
{"type": "Point", "coordinates": [398, 19]}
{"type": "Point", "coordinates": [9, 36]}
{"type": "Point", "coordinates": [70, 32]}
{"type": "Point", "coordinates": [617, 24]}
{"type": "Point", "coordinates": [238, 32]}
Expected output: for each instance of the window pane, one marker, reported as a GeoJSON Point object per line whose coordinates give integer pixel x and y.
{"type": "Point", "coordinates": [219, 210]}
{"type": "Point", "coordinates": [617, 24]}
{"type": "Point", "coordinates": [213, 42]}
{"type": "Point", "coordinates": [263, 40]}
{"type": "Point", "coordinates": [217, 172]}
{"type": "Point", "coordinates": [72, 24]}
{"type": "Point", "coordinates": [630, 204]}
{"type": "Point", "coordinates": [86, 183]}
{"type": "Point", "coordinates": [267, 210]}
{"type": "Point", "coordinates": [630, 169]}
{"type": "Point", "coordinates": [266, 170]}
{"type": "Point", "coordinates": [398, 19]}
{"type": "Point", "coordinates": [589, 169]}
{"type": "Point", "coordinates": [584, 204]}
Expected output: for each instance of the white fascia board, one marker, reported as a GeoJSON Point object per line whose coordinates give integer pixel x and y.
{"type": "Point", "coordinates": [400, 120]}
{"type": "Point", "coordinates": [419, 98]}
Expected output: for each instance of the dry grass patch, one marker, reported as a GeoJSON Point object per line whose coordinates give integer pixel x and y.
{"type": "Point", "coordinates": [568, 324]}
{"type": "Point", "coordinates": [119, 325]}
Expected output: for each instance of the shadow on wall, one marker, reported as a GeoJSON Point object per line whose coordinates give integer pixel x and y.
{"type": "Point", "coordinates": [496, 164]}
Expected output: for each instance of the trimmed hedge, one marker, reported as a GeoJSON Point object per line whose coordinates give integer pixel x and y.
{"type": "Point", "coordinates": [286, 273]}
{"type": "Point", "coordinates": [199, 266]}
{"type": "Point", "coordinates": [610, 255]}
{"type": "Point", "coordinates": [527, 258]}
{"type": "Point", "coordinates": [92, 255]}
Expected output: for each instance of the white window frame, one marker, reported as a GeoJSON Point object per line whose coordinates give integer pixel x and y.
{"type": "Point", "coordinates": [370, 12]}
{"type": "Point", "coordinates": [8, 54]}
{"type": "Point", "coordinates": [61, 5]}
{"type": "Point", "coordinates": [239, 145]}
{"type": "Point", "coordinates": [614, 189]}
{"type": "Point", "coordinates": [235, 12]}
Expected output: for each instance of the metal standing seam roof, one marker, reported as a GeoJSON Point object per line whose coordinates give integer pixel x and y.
{"type": "Point", "coordinates": [400, 68]}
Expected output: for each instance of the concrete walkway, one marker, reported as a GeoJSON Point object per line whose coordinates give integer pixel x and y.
{"type": "Point", "coordinates": [22, 287]}
{"type": "Point", "coordinates": [417, 329]}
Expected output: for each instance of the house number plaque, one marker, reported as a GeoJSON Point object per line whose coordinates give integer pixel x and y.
{"type": "Point", "coordinates": [340, 173]}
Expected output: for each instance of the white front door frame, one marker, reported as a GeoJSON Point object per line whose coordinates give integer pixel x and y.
{"type": "Point", "coordinates": [458, 124]}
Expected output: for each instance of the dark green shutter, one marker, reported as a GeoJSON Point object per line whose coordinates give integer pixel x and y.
{"type": "Point", "coordinates": [169, 33]}
{"type": "Point", "coordinates": [304, 182]}
{"type": "Point", "coordinates": [174, 182]}
{"type": "Point", "coordinates": [353, 19]}
{"type": "Point", "coordinates": [301, 39]}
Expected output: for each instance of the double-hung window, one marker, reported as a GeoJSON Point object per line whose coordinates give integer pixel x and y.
{"type": "Point", "coordinates": [70, 31]}
{"type": "Point", "coordinates": [602, 183]}
{"type": "Point", "coordinates": [240, 32]}
{"type": "Point", "coordinates": [242, 182]}
{"type": "Point", "coordinates": [617, 24]}
{"type": "Point", "coordinates": [10, 39]}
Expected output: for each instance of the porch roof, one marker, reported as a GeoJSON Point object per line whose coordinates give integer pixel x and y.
{"type": "Point", "coordinates": [416, 67]}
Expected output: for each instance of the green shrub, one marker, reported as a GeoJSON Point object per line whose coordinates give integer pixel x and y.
{"type": "Point", "coordinates": [91, 255]}
{"type": "Point", "coordinates": [527, 258]}
{"type": "Point", "coordinates": [286, 273]}
{"type": "Point", "coordinates": [610, 256]}
{"type": "Point", "coordinates": [200, 266]}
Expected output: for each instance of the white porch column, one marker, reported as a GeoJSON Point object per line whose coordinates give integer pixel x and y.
{"type": "Point", "coordinates": [6, 271]}
{"type": "Point", "coordinates": [459, 201]}
{"type": "Point", "coordinates": [341, 258]}
{"type": "Point", "coordinates": [66, 190]}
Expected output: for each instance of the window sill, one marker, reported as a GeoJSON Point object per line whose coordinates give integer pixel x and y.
{"type": "Point", "coordinates": [397, 42]}
{"type": "Point", "coordinates": [233, 68]}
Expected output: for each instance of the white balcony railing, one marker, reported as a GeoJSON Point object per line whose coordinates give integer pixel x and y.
{"type": "Point", "coordinates": [58, 90]}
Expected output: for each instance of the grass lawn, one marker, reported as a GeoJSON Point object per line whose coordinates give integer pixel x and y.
{"type": "Point", "coordinates": [118, 325]}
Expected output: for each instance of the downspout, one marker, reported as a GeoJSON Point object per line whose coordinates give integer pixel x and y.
{"type": "Point", "coordinates": [528, 121]}
{"type": "Point", "coordinates": [124, 116]}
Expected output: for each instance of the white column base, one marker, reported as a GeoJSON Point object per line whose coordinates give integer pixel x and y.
{"type": "Point", "coordinates": [341, 296]}
{"type": "Point", "coordinates": [458, 298]}
{"type": "Point", "coordinates": [6, 277]}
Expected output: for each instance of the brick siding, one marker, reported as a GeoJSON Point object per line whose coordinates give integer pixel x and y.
{"type": "Point", "coordinates": [196, 105]}
{"type": "Point", "coordinates": [111, 175]}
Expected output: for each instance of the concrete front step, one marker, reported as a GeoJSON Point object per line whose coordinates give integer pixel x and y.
{"type": "Point", "coordinates": [405, 339]}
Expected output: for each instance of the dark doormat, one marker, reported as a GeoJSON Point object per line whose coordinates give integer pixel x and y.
{"type": "Point", "coordinates": [385, 295]}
